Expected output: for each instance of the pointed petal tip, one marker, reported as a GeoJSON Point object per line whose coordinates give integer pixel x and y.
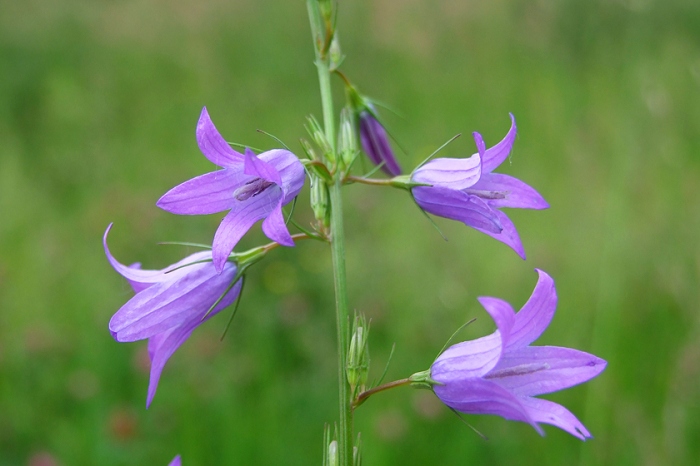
{"type": "Point", "coordinates": [480, 144]}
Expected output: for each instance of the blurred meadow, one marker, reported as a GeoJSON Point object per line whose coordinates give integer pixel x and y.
{"type": "Point", "coordinates": [98, 105]}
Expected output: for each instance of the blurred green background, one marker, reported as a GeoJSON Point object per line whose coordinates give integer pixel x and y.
{"type": "Point", "coordinates": [98, 106]}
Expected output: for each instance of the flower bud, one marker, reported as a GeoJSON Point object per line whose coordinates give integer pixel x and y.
{"type": "Point", "coordinates": [319, 137]}
{"type": "Point", "coordinates": [335, 54]}
{"type": "Point", "coordinates": [320, 202]}
{"type": "Point", "coordinates": [347, 138]}
{"type": "Point", "coordinates": [358, 355]}
{"type": "Point", "coordinates": [373, 136]}
{"type": "Point", "coordinates": [333, 453]}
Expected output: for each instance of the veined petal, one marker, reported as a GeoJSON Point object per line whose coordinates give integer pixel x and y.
{"type": "Point", "coordinates": [163, 345]}
{"type": "Point", "coordinates": [213, 145]}
{"type": "Point", "coordinates": [172, 303]}
{"type": "Point", "coordinates": [140, 279]}
{"type": "Point", "coordinates": [556, 415]}
{"type": "Point", "coordinates": [508, 235]}
{"type": "Point", "coordinates": [258, 168]}
{"type": "Point", "coordinates": [450, 173]}
{"type": "Point", "coordinates": [241, 218]}
{"type": "Point", "coordinates": [479, 396]}
{"type": "Point", "coordinates": [536, 314]}
{"type": "Point", "coordinates": [160, 348]}
{"type": "Point", "coordinates": [468, 359]}
{"type": "Point", "coordinates": [290, 169]}
{"type": "Point", "coordinates": [495, 155]}
{"type": "Point", "coordinates": [517, 193]}
{"type": "Point", "coordinates": [502, 313]}
{"type": "Point", "coordinates": [275, 229]}
{"type": "Point", "coordinates": [535, 370]}
{"type": "Point", "coordinates": [204, 194]}
{"type": "Point", "coordinates": [458, 205]}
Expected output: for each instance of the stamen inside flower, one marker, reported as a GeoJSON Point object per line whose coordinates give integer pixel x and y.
{"type": "Point", "coordinates": [251, 189]}
{"type": "Point", "coordinates": [522, 369]}
{"type": "Point", "coordinates": [487, 194]}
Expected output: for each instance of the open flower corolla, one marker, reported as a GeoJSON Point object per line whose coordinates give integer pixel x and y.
{"type": "Point", "coordinates": [466, 190]}
{"type": "Point", "coordinates": [251, 187]}
{"type": "Point", "coordinates": [501, 373]}
{"type": "Point", "coordinates": [169, 304]}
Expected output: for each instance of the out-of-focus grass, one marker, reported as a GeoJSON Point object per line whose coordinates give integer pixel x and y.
{"type": "Point", "coordinates": [98, 102]}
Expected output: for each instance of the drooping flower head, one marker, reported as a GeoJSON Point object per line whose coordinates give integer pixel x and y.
{"type": "Point", "coordinates": [169, 304]}
{"type": "Point", "coordinates": [251, 187]}
{"type": "Point", "coordinates": [501, 373]}
{"type": "Point", "coordinates": [467, 191]}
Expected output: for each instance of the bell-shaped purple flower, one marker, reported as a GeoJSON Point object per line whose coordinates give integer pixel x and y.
{"type": "Point", "coordinates": [169, 304]}
{"type": "Point", "coordinates": [467, 191]}
{"type": "Point", "coordinates": [501, 373]}
{"type": "Point", "coordinates": [251, 187]}
{"type": "Point", "coordinates": [375, 143]}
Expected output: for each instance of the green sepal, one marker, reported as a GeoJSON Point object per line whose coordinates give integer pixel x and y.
{"type": "Point", "coordinates": [422, 379]}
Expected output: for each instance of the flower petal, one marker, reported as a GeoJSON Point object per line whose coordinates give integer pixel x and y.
{"type": "Point", "coordinates": [517, 193]}
{"type": "Point", "coordinates": [458, 205]}
{"type": "Point", "coordinates": [502, 313]}
{"type": "Point", "coordinates": [535, 370]}
{"type": "Point", "coordinates": [495, 155]}
{"type": "Point", "coordinates": [480, 144]}
{"type": "Point", "coordinates": [536, 314]}
{"type": "Point", "coordinates": [556, 415]}
{"type": "Point", "coordinates": [160, 348]}
{"type": "Point", "coordinates": [258, 168]}
{"type": "Point", "coordinates": [204, 194]}
{"type": "Point", "coordinates": [140, 279]}
{"type": "Point", "coordinates": [450, 173]}
{"type": "Point", "coordinates": [241, 218]}
{"type": "Point", "coordinates": [275, 228]}
{"type": "Point", "coordinates": [479, 396]}
{"type": "Point", "coordinates": [176, 461]}
{"type": "Point", "coordinates": [468, 359]}
{"type": "Point", "coordinates": [213, 146]}
{"type": "Point", "coordinates": [172, 303]}
{"type": "Point", "coordinates": [290, 169]}
{"type": "Point", "coordinates": [163, 345]}
{"type": "Point", "coordinates": [508, 235]}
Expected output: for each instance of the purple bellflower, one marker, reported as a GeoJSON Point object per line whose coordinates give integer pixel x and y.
{"type": "Point", "coordinates": [251, 187]}
{"type": "Point", "coordinates": [467, 191]}
{"type": "Point", "coordinates": [169, 304]}
{"type": "Point", "coordinates": [501, 373]}
{"type": "Point", "coordinates": [375, 143]}
{"type": "Point", "coordinates": [176, 461]}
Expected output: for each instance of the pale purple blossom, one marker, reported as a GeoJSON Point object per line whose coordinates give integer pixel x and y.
{"type": "Point", "coordinates": [501, 373]}
{"type": "Point", "coordinates": [250, 187]}
{"type": "Point", "coordinates": [176, 461]}
{"type": "Point", "coordinates": [375, 143]}
{"type": "Point", "coordinates": [467, 191]}
{"type": "Point", "coordinates": [169, 304]}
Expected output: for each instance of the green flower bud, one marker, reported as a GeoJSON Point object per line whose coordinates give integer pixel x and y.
{"type": "Point", "coordinates": [347, 137]}
{"type": "Point", "coordinates": [319, 136]}
{"type": "Point", "coordinates": [320, 202]}
{"type": "Point", "coordinates": [333, 453]}
{"type": "Point", "coordinates": [358, 355]}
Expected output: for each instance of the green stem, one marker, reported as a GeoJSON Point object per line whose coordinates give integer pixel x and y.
{"type": "Point", "coordinates": [345, 433]}
{"type": "Point", "coordinates": [345, 429]}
